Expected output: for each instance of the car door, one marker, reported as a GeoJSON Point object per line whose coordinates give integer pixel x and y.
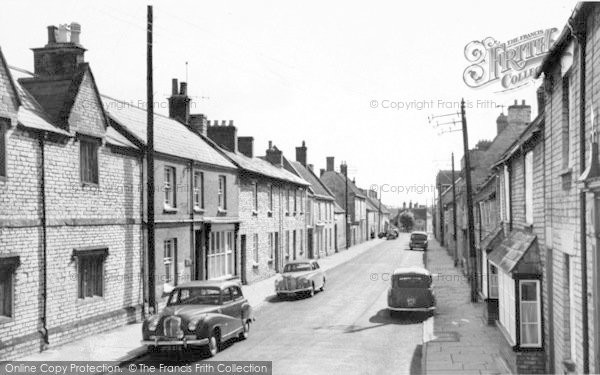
{"type": "Point", "coordinates": [231, 309]}
{"type": "Point", "coordinates": [317, 275]}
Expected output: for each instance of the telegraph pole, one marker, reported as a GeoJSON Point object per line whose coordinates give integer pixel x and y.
{"type": "Point", "coordinates": [150, 166]}
{"type": "Point", "coordinates": [454, 214]}
{"type": "Point", "coordinates": [345, 170]}
{"type": "Point", "coordinates": [470, 221]}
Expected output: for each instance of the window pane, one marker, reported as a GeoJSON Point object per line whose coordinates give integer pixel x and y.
{"type": "Point", "coordinates": [529, 334]}
{"type": "Point", "coordinates": [528, 291]}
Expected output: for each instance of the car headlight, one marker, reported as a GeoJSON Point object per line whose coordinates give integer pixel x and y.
{"type": "Point", "coordinates": [193, 324]}
{"type": "Point", "coordinates": [153, 322]}
{"type": "Point", "coordinates": [305, 282]}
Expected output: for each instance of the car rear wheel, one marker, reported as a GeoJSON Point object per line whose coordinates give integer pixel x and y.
{"type": "Point", "coordinates": [312, 290]}
{"type": "Point", "coordinates": [246, 331]}
{"type": "Point", "coordinates": [213, 344]}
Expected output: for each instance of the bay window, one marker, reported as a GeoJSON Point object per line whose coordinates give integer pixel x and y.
{"type": "Point", "coordinates": [220, 254]}
{"type": "Point", "coordinates": [530, 313]}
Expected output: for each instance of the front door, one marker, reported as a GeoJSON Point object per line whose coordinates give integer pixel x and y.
{"type": "Point", "coordinates": [243, 257]}
{"type": "Point", "coordinates": [309, 243]}
{"type": "Point", "coordinates": [199, 256]}
{"type": "Point", "coordinates": [277, 256]}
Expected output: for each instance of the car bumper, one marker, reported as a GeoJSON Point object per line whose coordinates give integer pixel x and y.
{"type": "Point", "coordinates": [294, 291]}
{"type": "Point", "coordinates": [416, 309]}
{"type": "Point", "coordinates": [184, 342]}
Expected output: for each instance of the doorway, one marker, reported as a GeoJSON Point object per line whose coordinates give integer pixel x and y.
{"type": "Point", "coordinates": [243, 258]}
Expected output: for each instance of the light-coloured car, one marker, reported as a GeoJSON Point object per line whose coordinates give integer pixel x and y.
{"type": "Point", "coordinates": [300, 276]}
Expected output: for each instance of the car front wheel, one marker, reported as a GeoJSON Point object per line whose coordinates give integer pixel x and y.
{"type": "Point", "coordinates": [312, 290]}
{"type": "Point", "coordinates": [213, 344]}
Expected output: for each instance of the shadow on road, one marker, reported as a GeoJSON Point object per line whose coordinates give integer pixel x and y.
{"type": "Point", "coordinates": [415, 363]}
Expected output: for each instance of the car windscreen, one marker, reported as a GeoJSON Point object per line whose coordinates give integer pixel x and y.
{"type": "Point", "coordinates": [297, 267]}
{"type": "Point", "coordinates": [195, 296]}
{"type": "Point", "coordinates": [411, 281]}
{"type": "Point", "coordinates": [418, 237]}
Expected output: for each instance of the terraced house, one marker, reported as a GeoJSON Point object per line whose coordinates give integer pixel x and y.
{"type": "Point", "coordinates": [196, 197]}
{"type": "Point", "coordinates": [70, 223]}
{"type": "Point", "coordinates": [321, 228]}
{"type": "Point", "coordinates": [350, 198]}
{"type": "Point", "coordinates": [272, 205]}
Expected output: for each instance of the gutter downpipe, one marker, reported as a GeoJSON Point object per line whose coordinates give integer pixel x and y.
{"type": "Point", "coordinates": [44, 329]}
{"type": "Point", "coordinates": [578, 31]}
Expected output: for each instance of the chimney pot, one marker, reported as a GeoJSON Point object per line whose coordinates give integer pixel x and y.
{"type": "Point", "coordinates": [301, 154]}
{"type": "Point", "coordinates": [215, 122]}
{"type": "Point", "coordinates": [270, 145]}
{"type": "Point", "coordinates": [230, 122]}
{"type": "Point", "coordinates": [62, 34]}
{"type": "Point", "coordinates": [183, 90]}
{"type": "Point", "coordinates": [174, 86]}
{"type": "Point", "coordinates": [52, 34]}
{"type": "Point", "coordinates": [311, 167]}
{"type": "Point", "coordinates": [75, 32]}
{"type": "Point", "coordinates": [523, 102]}
{"type": "Point", "coordinates": [223, 123]}
{"type": "Point", "coordinates": [322, 172]}
{"type": "Point", "coordinates": [516, 102]}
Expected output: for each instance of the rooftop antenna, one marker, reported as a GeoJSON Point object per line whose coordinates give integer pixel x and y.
{"type": "Point", "coordinates": [186, 71]}
{"type": "Point", "coordinates": [501, 106]}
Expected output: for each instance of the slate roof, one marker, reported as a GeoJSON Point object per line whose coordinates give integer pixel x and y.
{"type": "Point", "coordinates": [316, 185]}
{"type": "Point", "coordinates": [340, 177]}
{"type": "Point", "coordinates": [170, 136]}
{"type": "Point", "coordinates": [517, 253]}
{"type": "Point", "coordinates": [493, 239]}
{"type": "Point", "coordinates": [372, 205]}
{"type": "Point", "coordinates": [262, 167]}
{"type": "Point", "coordinates": [337, 209]}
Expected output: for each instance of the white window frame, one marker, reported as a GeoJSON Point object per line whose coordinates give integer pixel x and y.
{"type": "Point", "coordinates": [170, 185]}
{"type": "Point", "coordinates": [493, 282]}
{"type": "Point", "coordinates": [572, 309]}
{"type": "Point", "coordinates": [220, 254]}
{"type": "Point", "coordinates": [538, 344]}
{"type": "Point", "coordinates": [198, 190]}
{"type": "Point", "coordinates": [222, 192]}
{"type": "Point", "coordinates": [255, 240]}
{"type": "Point", "coordinates": [271, 246]}
{"type": "Point", "coordinates": [528, 174]}
{"type": "Point", "coordinates": [506, 194]}
{"type": "Point", "coordinates": [255, 196]}
{"type": "Point", "coordinates": [169, 254]}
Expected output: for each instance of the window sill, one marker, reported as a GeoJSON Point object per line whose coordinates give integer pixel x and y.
{"type": "Point", "coordinates": [87, 300]}
{"type": "Point", "coordinates": [169, 210]}
{"type": "Point", "coordinates": [6, 319]}
{"type": "Point", "coordinates": [221, 211]}
{"type": "Point", "coordinates": [198, 210]}
{"type": "Point", "coordinates": [254, 213]}
{"type": "Point", "coordinates": [294, 214]}
{"type": "Point", "coordinates": [270, 213]}
{"type": "Point", "coordinates": [565, 172]}
{"type": "Point", "coordinates": [90, 184]}
{"type": "Point", "coordinates": [287, 213]}
{"type": "Point", "coordinates": [254, 265]}
{"type": "Point", "coordinates": [3, 178]}
{"type": "Point", "coordinates": [270, 261]}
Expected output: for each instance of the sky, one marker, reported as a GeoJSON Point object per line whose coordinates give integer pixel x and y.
{"type": "Point", "coordinates": [356, 80]}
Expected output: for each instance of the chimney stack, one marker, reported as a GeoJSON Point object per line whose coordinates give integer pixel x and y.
{"type": "Point", "coordinates": [404, 205]}
{"type": "Point", "coordinates": [344, 169]}
{"type": "Point", "coordinates": [62, 55]}
{"type": "Point", "coordinates": [224, 136]}
{"type": "Point", "coordinates": [246, 146]}
{"type": "Point", "coordinates": [501, 123]}
{"type": "Point", "coordinates": [330, 163]}
{"type": "Point", "coordinates": [410, 206]}
{"type": "Point", "coordinates": [301, 154]}
{"type": "Point", "coordinates": [321, 172]}
{"type": "Point", "coordinates": [179, 103]}
{"type": "Point", "coordinates": [311, 167]}
{"type": "Point", "coordinates": [198, 124]}
{"type": "Point", "coordinates": [519, 113]}
{"type": "Point", "coordinates": [274, 155]}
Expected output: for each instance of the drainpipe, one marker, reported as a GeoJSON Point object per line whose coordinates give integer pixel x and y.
{"type": "Point", "coordinates": [44, 329]}
{"type": "Point", "coordinates": [578, 31]}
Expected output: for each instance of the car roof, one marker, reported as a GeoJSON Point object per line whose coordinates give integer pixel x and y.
{"type": "Point", "coordinates": [418, 232]}
{"type": "Point", "coordinates": [412, 270]}
{"type": "Point", "coordinates": [222, 284]}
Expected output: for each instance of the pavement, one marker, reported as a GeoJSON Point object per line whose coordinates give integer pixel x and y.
{"type": "Point", "coordinates": [122, 344]}
{"type": "Point", "coordinates": [460, 342]}
{"type": "Point", "coordinates": [347, 329]}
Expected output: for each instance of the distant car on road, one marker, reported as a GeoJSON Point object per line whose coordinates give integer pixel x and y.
{"type": "Point", "coordinates": [200, 313]}
{"type": "Point", "coordinates": [411, 290]}
{"type": "Point", "coordinates": [418, 239]}
{"type": "Point", "coordinates": [392, 235]}
{"type": "Point", "coordinates": [300, 276]}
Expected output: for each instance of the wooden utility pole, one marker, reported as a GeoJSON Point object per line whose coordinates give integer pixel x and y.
{"type": "Point", "coordinates": [150, 167]}
{"type": "Point", "coordinates": [345, 170]}
{"type": "Point", "coordinates": [454, 237]}
{"type": "Point", "coordinates": [472, 268]}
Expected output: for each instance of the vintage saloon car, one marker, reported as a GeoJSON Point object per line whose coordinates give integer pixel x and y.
{"type": "Point", "coordinates": [411, 290]}
{"type": "Point", "coordinates": [200, 314]}
{"type": "Point", "coordinates": [300, 276]}
{"type": "Point", "coordinates": [418, 239]}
